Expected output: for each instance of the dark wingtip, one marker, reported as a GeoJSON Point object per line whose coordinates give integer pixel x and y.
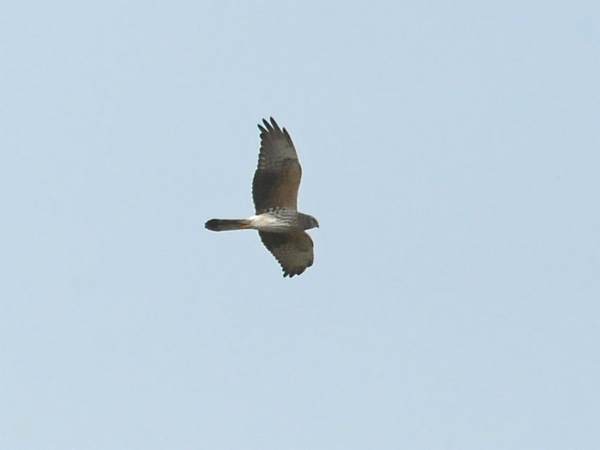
{"type": "Point", "coordinates": [274, 124]}
{"type": "Point", "coordinates": [293, 272]}
{"type": "Point", "coordinates": [267, 127]}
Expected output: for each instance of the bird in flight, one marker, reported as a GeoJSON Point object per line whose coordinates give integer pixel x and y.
{"type": "Point", "coordinates": [275, 193]}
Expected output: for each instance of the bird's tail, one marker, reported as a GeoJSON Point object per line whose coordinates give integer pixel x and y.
{"type": "Point", "coordinates": [227, 224]}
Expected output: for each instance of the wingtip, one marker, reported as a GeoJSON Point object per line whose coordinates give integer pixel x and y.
{"type": "Point", "coordinates": [265, 127]}
{"type": "Point", "coordinates": [274, 124]}
{"type": "Point", "coordinates": [293, 272]}
{"type": "Point", "coordinates": [268, 124]}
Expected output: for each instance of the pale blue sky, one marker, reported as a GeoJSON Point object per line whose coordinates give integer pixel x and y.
{"type": "Point", "coordinates": [451, 152]}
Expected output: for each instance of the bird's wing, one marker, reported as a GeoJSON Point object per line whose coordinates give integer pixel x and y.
{"type": "Point", "coordinates": [293, 251]}
{"type": "Point", "coordinates": [277, 177]}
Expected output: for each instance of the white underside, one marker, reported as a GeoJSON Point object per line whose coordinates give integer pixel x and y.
{"type": "Point", "coordinates": [266, 222]}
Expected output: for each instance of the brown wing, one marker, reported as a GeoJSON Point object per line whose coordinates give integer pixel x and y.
{"type": "Point", "coordinates": [293, 251]}
{"type": "Point", "coordinates": [277, 177]}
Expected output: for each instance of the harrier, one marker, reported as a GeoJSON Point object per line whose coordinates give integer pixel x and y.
{"type": "Point", "coordinates": [275, 193]}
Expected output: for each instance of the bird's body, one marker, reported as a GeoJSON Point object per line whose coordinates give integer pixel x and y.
{"type": "Point", "coordinates": [277, 220]}
{"type": "Point", "coordinates": [275, 193]}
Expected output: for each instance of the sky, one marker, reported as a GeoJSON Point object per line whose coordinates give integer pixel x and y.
{"type": "Point", "coordinates": [450, 151]}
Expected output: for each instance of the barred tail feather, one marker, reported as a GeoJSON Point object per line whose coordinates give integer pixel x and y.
{"type": "Point", "coordinates": [226, 224]}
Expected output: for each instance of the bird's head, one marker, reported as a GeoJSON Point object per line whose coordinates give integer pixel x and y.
{"type": "Point", "coordinates": [310, 222]}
